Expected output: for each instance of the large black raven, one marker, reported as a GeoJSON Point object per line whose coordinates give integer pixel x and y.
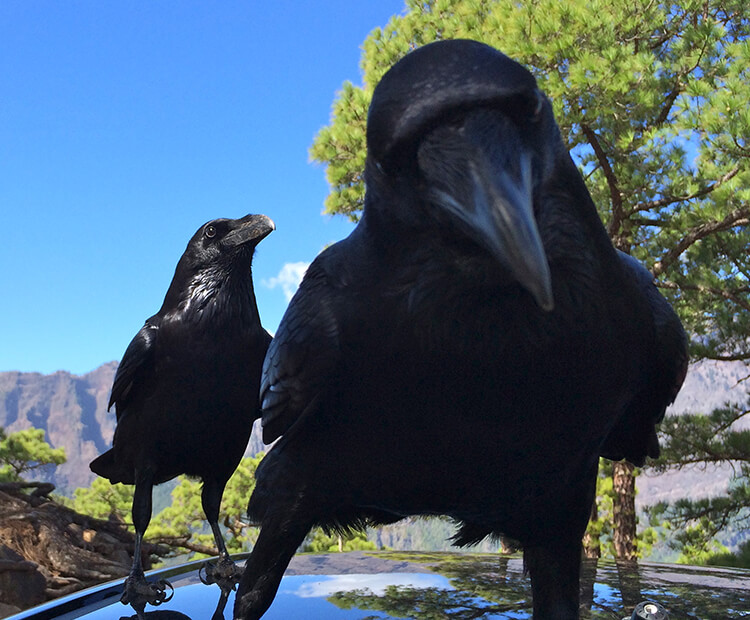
{"type": "Point", "coordinates": [472, 347]}
{"type": "Point", "coordinates": [186, 389]}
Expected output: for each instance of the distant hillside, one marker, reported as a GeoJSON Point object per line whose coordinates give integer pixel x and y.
{"type": "Point", "coordinates": [72, 410]}
{"type": "Point", "coordinates": [708, 385]}
{"type": "Point", "coordinates": [711, 384]}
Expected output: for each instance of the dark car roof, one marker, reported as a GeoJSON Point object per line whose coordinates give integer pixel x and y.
{"type": "Point", "coordinates": [427, 585]}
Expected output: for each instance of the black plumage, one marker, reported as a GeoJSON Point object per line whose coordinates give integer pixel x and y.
{"type": "Point", "coordinates": [186, 389]}
{"type": "Point", "coordinates": [472, 347]}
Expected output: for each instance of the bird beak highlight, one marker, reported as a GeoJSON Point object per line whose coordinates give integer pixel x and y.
{"type": "Point", "coordinates": [250, 228]}
{"type": "Point", "coordinates": [503, 215]}
{"type": "Point", "coordinates": [487, 186]}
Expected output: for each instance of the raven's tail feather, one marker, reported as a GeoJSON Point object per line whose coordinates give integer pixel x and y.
{"type": "Point", "coordinates": [107, 466]}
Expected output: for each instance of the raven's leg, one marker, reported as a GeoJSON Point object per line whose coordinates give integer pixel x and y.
{"type": "Point", "coordinates": [555, 565]}
{"type": "Point", "coordinates": [224, 572]}
{"type": "Point", "coordinates": [221, 605]}
{"type": "Point", "coordinates": [137, 591]}
{"type": "Point", "coordinates": [555, 572]}
{"type": "Point", "coordinates": [282, 532]}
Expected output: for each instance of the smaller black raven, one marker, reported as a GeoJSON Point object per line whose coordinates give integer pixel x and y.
{"type": "Point", "coordinates": [186, 389]}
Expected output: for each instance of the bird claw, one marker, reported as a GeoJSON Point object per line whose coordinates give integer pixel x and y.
{"type": "Point", "coordinates": [138, 592]}
{"type": "Point", "coordinates": [223, 572]}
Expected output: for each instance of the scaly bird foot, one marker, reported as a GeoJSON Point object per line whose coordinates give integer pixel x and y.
{"type": "Point", "coordinates": [223, 572]}
{"type": "Point", "coordinates": [138, 592]}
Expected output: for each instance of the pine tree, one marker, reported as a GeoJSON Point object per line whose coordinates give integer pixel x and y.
{"type": "Point", "coordinates": [692, 526]}
{"type": "Point", "coordinates": [24, 452]}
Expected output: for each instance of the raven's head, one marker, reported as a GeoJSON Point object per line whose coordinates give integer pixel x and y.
{"type": "Point", "coordinates": [464, 131]}
{"type": "Point", "coordinates": [219, 252]}
{"type": "Point", "coordinates": [227, 243]}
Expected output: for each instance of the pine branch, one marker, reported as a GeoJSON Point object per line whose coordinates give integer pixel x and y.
{"type": "Point", "coordinates": [699, 453]}
{"type": "Point", "coordinates": [183, 542]}
{"type": "Point", "coordinates": [668, 103]}
{"type": "Point", "coordinates": [726, 425]}
{"type": "Point", "coordinates": [702, 440]}
{"type": "Point", "coordinates": [618, 214]}
{"type": "Point", "coordinates": [41, 489]}
{"type": "Point", "coordinates": [738, 217]}
{"type": "Point", "coordinates": [648, 222]}
{"type": "Point", "coordinates": [686, 511]}
{"type": "Point", "coordinates": [737, 357]}
{"type": "Point", "coordinates": [670, 200]}
{"type": "Point", "coordinates": [733, 295]}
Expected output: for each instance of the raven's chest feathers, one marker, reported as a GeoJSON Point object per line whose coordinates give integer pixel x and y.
{"type": "Point", "coordinates": [463, 328]}
{"type": "Point", "coordinates": [467, 304]}
{"type": "Point", "coordinates": [215, 327]}
{"type": "Point", "coordinates": [215, 300]}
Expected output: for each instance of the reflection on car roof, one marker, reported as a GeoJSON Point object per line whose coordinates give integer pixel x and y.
{"type": "Point", "coordinates": [390, 584]}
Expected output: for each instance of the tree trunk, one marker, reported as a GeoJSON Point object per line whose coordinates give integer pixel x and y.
{"type": "Point", "coordinates": [591, 543]}
{"type": "Point", "coordinates": [623, 510]}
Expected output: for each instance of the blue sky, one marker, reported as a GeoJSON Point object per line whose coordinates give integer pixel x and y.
{"type": "Point", "coordinates": [126, 125]}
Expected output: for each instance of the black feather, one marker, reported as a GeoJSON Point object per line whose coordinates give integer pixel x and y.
{"type": "Point", "coordinates": [472, 347]}
{"type": "Point", "coordinates": [186, 389]}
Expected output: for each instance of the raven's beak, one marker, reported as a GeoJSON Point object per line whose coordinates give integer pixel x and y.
{"type": "Point", "coordinates": [495, 206]}
{"type": "Point", "coordinates": [504, 218]}
{"type": "Point", "coordinates": [249, 228]}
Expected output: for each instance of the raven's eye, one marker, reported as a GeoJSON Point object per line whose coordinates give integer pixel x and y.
{"type": "Point", "coordinates": [210, 231]}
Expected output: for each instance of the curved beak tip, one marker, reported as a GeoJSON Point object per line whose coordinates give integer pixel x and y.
{"type": "Point", "coordinates": [538, 283]}
{"type": "Point", "coordinates": [263, 226]}
{"type": "Point", "coordinates": [546, 301]}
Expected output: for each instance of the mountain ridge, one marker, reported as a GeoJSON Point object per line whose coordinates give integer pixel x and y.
{"type": "Point", "coordinates": [71, 409]}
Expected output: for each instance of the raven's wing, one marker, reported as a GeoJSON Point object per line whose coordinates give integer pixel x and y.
{"type": "Point", "coordinates": [634, 437]}
{"type": "Point", "coordinates": [302, 355]}
{"type": "Point", "coordinates": [136, 364]}
{"type": "Point", "coordinates": [671, 340]}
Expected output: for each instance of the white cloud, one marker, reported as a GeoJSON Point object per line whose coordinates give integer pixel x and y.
{"type": "Point", "coordinates": [289, 277]}
{"type": "Point", "coordinates": [323, 586]}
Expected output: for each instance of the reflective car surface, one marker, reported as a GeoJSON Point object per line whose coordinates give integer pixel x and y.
{"type": "Point", "coordinates": [368, 585]}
